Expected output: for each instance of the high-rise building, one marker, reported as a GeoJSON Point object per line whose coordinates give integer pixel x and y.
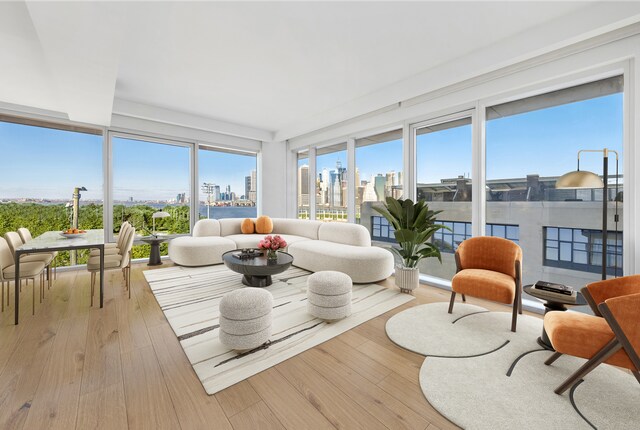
{"type": "Point", "coordinates": [216, 192]}
{"type": "Point", "coordinates": [253, 188]}
{"type": "Point", "coordinates": [303, 185]}
{"type": "Point", "coordinates": [379, 183]}
{"type": "Point", "coordinates": [247, 186]}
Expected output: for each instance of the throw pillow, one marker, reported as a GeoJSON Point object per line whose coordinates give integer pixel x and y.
{"type": "Point", "coordinates": [264, 225]}
{"type": "Point", "coordinates": [247, 226]}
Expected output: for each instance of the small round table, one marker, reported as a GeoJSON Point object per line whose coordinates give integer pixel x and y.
{"type": "Point", "coordinates": [154, 256]}
{"type": "Point", "coordinates": [552, 304]}
{"type": "Point", "coordinates": [257, 271]}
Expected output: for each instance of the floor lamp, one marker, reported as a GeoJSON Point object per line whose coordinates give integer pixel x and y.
{"type": "Point", "coordinates": [160, 214]}
{"type": "Point", "coordinates": [580, 179]}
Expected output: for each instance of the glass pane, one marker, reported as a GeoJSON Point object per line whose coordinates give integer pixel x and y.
{"type": "Point", "coordinates": [378, 175]}
{"type": "Point", "coordinates": [526, 152]}
{"type": "Point", "coordinates": [331, 184]}
{"type": "Point", "coordinates": [150, 177]}
{"type": "Point", "coordinates": [443, 170]}
{"type": "Point", "coordinates": [228, 184]}
{"type": "Point", "coordinates": [41, 167]}
{"type": "Point", "coordinates": [513, 232]}
{"type": "Point", "coordinates": [303, 188]}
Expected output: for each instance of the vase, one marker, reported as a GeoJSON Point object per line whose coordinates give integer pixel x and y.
{"type": "Point", "coordinates": [407, 278]}
{"type": "Point", "coordinates": [272, 254]}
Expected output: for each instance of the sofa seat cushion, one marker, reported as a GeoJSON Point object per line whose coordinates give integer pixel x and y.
{"type": "Point", "coordinates": [582, 336]}
{"type": "Point", "coordinates": [362, 263]}
{"type": "Point", "coordinates": [485, 284]}
{"type": "Point", "coordinates": [251, 240]}
{"type": "Point", "coordinates": [199, 251]}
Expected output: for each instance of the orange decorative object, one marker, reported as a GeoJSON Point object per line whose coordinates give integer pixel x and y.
{"type": "Point", "coordinates": [247, 226]}
{"type": "Point", "coordinates": [610, 336]}
{"type": "Point", "coordinates": [264, 225]}
{"type": "Point", "coordinates": [489, 268]}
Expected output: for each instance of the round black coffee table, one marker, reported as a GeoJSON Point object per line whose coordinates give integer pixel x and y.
{"type": "Point", "coordinates": [257, 271]}
{"type": "Point", "coordinates": [552, 304]}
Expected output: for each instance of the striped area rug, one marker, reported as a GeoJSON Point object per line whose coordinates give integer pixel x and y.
{"type": "Point", "coordinates": [189, 298]}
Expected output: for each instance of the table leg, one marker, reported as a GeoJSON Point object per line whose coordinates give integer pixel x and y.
{"type": "Point", "coordinates": [544, 340]}
{"type": "Point", "coordinates": [101, 276]}
{"type": "Point", "coordinates": [17, 285]}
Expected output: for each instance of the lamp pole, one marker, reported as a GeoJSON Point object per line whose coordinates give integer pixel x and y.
{"type": "Point", "coordinates": [207, 188]}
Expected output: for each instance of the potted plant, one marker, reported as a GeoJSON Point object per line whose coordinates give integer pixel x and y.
{"type": "Point", "coordinates": [414, 224]}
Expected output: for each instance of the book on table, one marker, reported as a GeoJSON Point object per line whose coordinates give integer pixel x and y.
{"type": "Point", "coordinates": [552, 291]}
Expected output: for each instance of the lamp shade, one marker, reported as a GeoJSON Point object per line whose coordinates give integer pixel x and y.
{"type": "Point", "coordinates": [579, 179]}
{"type": "Point", "coordinates": [160, 214]}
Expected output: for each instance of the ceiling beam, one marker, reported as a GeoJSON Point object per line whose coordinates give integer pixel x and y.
{"type": "Point", "coordinates": [81, 42]}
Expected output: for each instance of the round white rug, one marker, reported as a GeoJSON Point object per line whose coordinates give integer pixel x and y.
{"type": "Point", "coordinates": [480, 375]}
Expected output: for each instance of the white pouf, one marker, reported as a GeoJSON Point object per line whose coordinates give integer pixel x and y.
{"type": "Point", "coordinates": [329, 295]}
{"type": "Point", "coordinates": [245, 318]}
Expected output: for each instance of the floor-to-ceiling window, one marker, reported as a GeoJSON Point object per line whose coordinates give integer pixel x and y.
{"type": "Point", "coordinates": [41, 165]}
{"type": "Point", "coordinates": [227, 182]}
{"type": "Point", "coordinates": [378, 175]}
{"type": "Point", "coordinates": [302, 185]}
{"type": "Point", "coordinates": [530, 143]}
{"type": "Point", "coordinates": [151, 176]}
{"type": "Point", "coordinates": [443, 173]}
{"type": "Point", "coordinates": [331, 183]}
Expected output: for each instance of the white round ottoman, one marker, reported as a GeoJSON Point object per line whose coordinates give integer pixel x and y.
{"type": "Point", "coordinates": [245, 318]}
{"type": "Point", "coordinates": [329, 295]}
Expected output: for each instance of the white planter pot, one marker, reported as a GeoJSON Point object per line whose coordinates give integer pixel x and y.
{"type": "Point", "coordinates": [407, 278]}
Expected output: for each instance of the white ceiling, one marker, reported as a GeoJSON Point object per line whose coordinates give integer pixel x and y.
{"type": "Point", "coordinates": [280, 67]}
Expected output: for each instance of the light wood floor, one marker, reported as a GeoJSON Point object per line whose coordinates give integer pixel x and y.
{"type": "Point", "coordinates": [72, 366]}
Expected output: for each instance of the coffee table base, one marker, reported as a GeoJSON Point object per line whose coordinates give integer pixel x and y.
{"type": "Point", "coordinates": [257, 281]}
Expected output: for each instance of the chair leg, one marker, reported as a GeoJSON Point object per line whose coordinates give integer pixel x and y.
{"type": "Point", "coordinates": [607, 351]}
{"type": "Point", "coordinates": [2, 286]}
{"type": "Point", "coordinates": [553, 358]}
{"type": "Point", "coordinates": [520, 304]}
{"type": "Point", "coordinates": [33, 297]}
{"type": "Point", "coordinates": [93, 281]}
{"type": "Point", "coordinates": [129, 280]}
{"type": "Point", "coordinates": [514, 317]}
{"type": "Point", "coordinates": [464, 298]}
{"type": "Point", "coordinates": [636, 374]}
{"type": "Point", "coordinates": [452, 301]}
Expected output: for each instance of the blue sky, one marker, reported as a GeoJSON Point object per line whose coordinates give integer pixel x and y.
{"type": "Point", "coordinates": [47, 163]}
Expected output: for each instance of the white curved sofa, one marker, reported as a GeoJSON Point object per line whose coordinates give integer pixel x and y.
{"type": "Point", "coordinates": [314, 245]}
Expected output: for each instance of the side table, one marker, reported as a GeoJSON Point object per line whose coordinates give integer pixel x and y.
{"type": "Point", "coordinates": [154, 241]}
{"type": "Point", "coordinates": [552, 304]}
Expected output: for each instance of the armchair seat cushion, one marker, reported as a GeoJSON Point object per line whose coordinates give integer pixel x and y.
{"type": "Point", "coordinates": [485, 284]}
{"type": "Point", "coordinates": [582, 336]}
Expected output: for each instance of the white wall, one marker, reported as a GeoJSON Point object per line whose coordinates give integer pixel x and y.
{"type": "Point", "coordinates": [273, 187]}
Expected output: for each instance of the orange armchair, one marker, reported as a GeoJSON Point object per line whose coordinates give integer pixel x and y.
{"type": "Point", "coordinates": [612, 336]}
{"type": "Point", "coordinates": [489, 268]}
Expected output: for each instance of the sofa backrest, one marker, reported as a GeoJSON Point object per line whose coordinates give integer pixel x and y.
{"type": "Point", "coordinates": [206, 227]}
{"type": "Point", "coordinates": [346, 233]}
{"type": "Point", "coordinates": [297, 227]}
{"type": "Point", "coordinates": [229, 226]}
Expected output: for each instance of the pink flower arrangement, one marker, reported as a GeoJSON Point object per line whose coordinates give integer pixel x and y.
{"type": "Point", "coordinates": [272, 243]}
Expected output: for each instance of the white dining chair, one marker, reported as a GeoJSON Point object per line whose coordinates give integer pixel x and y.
{"type": "Point", "coordinates": [28, 270]}
{"type": "Point", "coordinates": [14, 241]}
{"type": "Point", "coordinates": [120, 260]}
{"type": "Point", "coordinates": [26, 236]}
{"type": "Point", "coordinates": [112, 248]}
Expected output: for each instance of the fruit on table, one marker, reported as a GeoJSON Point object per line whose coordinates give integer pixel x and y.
{"type": "Point", "coordinates": [73, 231]}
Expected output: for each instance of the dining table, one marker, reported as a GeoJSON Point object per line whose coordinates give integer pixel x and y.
{"type": "Point", "coordinates": [55, 241]}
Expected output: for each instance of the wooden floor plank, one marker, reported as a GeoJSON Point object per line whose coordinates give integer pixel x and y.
{"type": "Point", "coordinates": [408, 391]}
{"type": "Point", "coordinates": [392, 359]}
{"type": "Point", "coordinates": [237, 398]}
{"type": "Point", "coordinates": [386, 408]}
{"type": "Point", "coordinates": [195, 410]}
{"type": "Point", "coordinates": [148, 403]}
{"type": "Point", "coordinates": [55, 403]}
{"type": "Point", "coordinates": [287, 404]}
{"type": "Point", "coordinates": [257, 416]}
{"type": "Point", "coordinates": [357, 360]}
{"type": "Point", "coordinates": [103, 409]}
{"type": "Point", "coordinates": [341, 411]}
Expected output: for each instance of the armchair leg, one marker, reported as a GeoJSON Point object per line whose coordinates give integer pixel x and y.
{"type": "Point", "coordinates": [607, 351]}
{"type": "Point", "coordinates": [553, 358]}
{"type": "Point", "coordinates": [464, 298]}
{"type": "Point", "coordinates": [453, 299]}
{"type": "Point", "coordinates": [514, 317]}
{"type": "Point", "coordinates": [636, 374]}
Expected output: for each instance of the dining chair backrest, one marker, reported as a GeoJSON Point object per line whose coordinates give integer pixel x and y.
{"type": "Point", "coordinates": [14, 240]}
{"type": "Point", "coordinates": [122, 236]}
{"type": "Point", "coordinates": [6, 258]}
{"type": "Point", "coordinates": [126, 249]}
{"type": "Point", "coordinates": [25, 234]}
